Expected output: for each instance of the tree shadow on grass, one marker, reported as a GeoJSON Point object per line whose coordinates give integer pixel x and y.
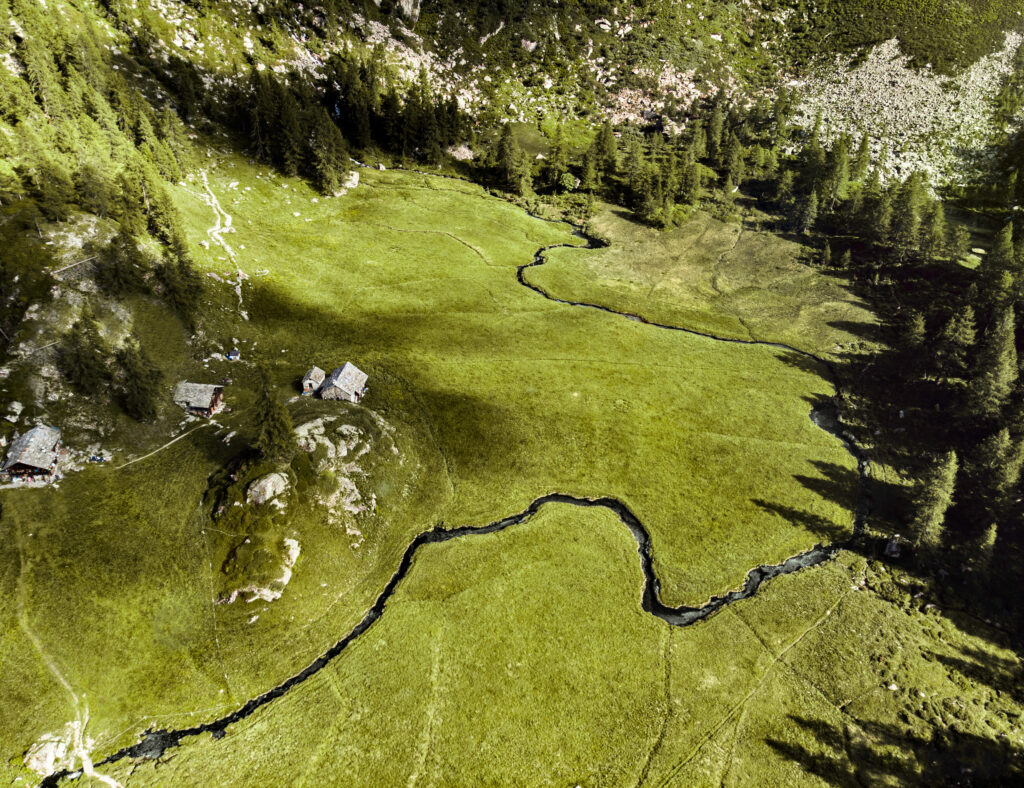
{"type": "Point", "coordinates": [876, 754]}
{"type": "Point", "coordinates": [822, 527]}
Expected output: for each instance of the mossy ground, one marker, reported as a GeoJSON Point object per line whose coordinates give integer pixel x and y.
{"type": "Point", "coordinates": [723, 278]}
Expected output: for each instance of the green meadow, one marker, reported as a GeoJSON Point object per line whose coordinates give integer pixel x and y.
{"type": "Point", "coordinates": [483, 396]}
{"type": "Point", "coordinates": [716, 277]}
{"type": "Point", "coordinates": [523, 658]}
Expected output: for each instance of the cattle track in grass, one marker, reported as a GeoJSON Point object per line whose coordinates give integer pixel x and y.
{"type": "Point", "coordinates": [155, 742]}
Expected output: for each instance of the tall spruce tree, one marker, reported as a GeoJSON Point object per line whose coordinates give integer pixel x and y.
{"type": "Point", "coordinates": [932, 500]}
{"type": "Point", "coordinates": [139, 382]}
{"type": "Point", "coordinates": [996, 368]}
{"type": "Point", "coordinates": [955, 343]}
{"type": "Point", "coordinates": [82, 355]}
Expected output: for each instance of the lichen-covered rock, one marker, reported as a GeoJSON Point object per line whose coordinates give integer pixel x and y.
{"type": "Point", "coordinates": [267, 488]}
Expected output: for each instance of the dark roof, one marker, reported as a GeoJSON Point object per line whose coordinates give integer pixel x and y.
{"type": "Point", "coordinates": [36, 449]}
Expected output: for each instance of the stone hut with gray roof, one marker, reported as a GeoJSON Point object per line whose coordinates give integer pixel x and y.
{"type": "Point", "coordinates": [347, 383]}
{"type": "Point", "coordinates": [199, 399]}
{"type": "Point", "coordinates": [34, 453]}
{"type": "Point", "coordinates": [312, 381]}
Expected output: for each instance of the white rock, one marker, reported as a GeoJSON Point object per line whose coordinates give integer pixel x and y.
{"type": "Point", "coordinates": [266, 488]}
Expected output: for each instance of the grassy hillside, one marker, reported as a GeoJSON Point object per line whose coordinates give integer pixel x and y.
{"type": "Point", "coordinates": [820, 680]}
{"type": "Point", "coordinates": [492, 396]}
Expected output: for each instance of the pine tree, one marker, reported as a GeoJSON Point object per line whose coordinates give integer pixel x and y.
{"type": "Point", "coordinates": [932, 500]}
{"type": "Point", "coordinates": [997, 271]}
{"type": "Point", "coordinates": [985, 548]}
{"type": "Point", "coordinates": [140, 382]}
{"type": "Point", "coordinates": [995, 473]}
{"type": "Point", "coordinates": [826, 255]}
{"type": "Point", "coordinates": [735, 169]}
{"type": "Point", "coordinates": [589, 170]}
{"type": "Point", "coordinates": [914, 332]}
{"type": "Point", "coordinates": [809, 214]}
{"type": "Point", "coordinates": [956, 341]}
{"type": "Point", "coordinates": [958, 242]}
{"type": "Point", "coordinates": [996, 369]}
{"type": "Point", "coordinates": [328, 155]}
{"type": "Point", "coordinates": [784, 192]}
{"type": "Point", "coordinates": [861, 160]}
{"type": "Point", "coordinates": [906, 218]}
{"type": "Point", "coordinates": [607, 150]}
{"type": "Point", "coordinates": [122, 265]}
{"type": "Point", "coordinates": [690, 184]}
{"type": "Point", "coordinates": [837, 176]}
{"type": "Point", "coordinates": [715, 128]}
{"type": "Point", "coordinates": [933, 232]}
{"type": "Point", "coordinates": [82, 354]}
{"type": "Point", "coordinates": [557, 163]}
{"type": "Point", "coordinates": [287, 134]}
{"type": "Point", "coordinates": [274, 438]}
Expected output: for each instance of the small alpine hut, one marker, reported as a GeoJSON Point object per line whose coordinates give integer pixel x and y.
{"type": "Point", "coordinates": [347, 382]}
{"type": "Point", "coordinates": [312, 381]}
{"type": "Point", "coordinates": [199, 399]}
{"type": "Point", "coordinates": [34, 453]}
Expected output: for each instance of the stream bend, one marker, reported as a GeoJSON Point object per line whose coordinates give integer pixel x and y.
{"type": "Point", "coordinates": [155, 742]}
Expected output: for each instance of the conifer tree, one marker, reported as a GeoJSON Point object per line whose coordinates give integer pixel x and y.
{"type": "Point", "coordinates": [837, 176]}
{"type": "Point", "coordinates": [861, 160]}
{"type": "Point", "coordinates": [997, 270]}
{"type": "Point", "coordinates": [906, 218]}
{"type": "Point", "coordinates": [122, 265]}
{"type": "Point", "coordinates": [996, 369]}
{"type": "Point", "coordinates": [734, 164]}
{"type": "Point", "coordinates": [328, 156]}
{"type": "Point", "coordinates": [958, 241]}
{"type": "Point", "coordinates": [690, 184]}
{"type": "Point", "coordinates": [956, 341]}
{"type": "Point", "coordinates": [274, 438]}
{"type": "Point", "coordinates": [931, 502]}
{"type": "Point", "coordinates": [914, 332]}
{"type": "Point", "coordinates": [589, 171]}
{"type": "Point", "coordinates": [82, 354]}
{"type": "Point", "coordinates": [715, 129]}
{"type": "Point", "coordinates": [607, 150]}
{"type": "Point", "coordinates": [784, 192]}
{"type": "Point", "coordinates": [933, 232]}
{"type": "Point", "coordinates": [513, 167]}
{"type": "Point", "coordinates": [995, 473]}
{"type": "Point", "coordinates": [139, 382]}
{"type": "Point", "coordinates": [809, 214]}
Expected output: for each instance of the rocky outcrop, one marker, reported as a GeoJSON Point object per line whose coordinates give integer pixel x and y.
{"type": "Point", "coordinates": [266, 488]}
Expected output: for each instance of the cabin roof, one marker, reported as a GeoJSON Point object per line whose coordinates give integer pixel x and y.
{"type": "Point", "coordinates": [195, 395]}
{"type": "Point", "coordinates": [348, 378]}
{"type": "Point", "coordinates": [316, 374]}
{"type": "Point", "coordinates": [35, 448]}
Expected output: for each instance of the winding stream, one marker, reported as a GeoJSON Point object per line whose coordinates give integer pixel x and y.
{"type": "Point", "coordinates": [155, 743]}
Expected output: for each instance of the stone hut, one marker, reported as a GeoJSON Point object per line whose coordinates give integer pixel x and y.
{"type": "Point", "coordinates": [347, 383]}
{"type": "Point", "coordinates": [34, 453]}
{"type": "Point", "coordinates": [312, 381]}
{"type": "Point", "coordinates": [199, 399]}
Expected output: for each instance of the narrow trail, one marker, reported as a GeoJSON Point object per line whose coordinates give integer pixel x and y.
{"type": "Point", "coordinates": [172, 441]}
{"type": "Point", "coordinates": [155, 742]}
{"type": "Point", "coordinates": [220, 228]}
